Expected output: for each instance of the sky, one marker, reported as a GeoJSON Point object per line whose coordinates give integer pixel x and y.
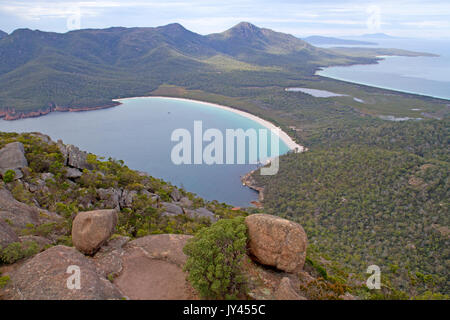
{"type": "Point", "coordinates": [402, 18]}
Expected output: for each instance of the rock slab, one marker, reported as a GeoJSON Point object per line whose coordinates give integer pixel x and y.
{"type": "Point", "coordinates": [45, 277]}
{"type": "Point", "coordinates": [12, 157]}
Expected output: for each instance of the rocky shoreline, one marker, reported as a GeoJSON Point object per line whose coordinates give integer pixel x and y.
{"type": "Point", "coordinates": [249, 182]}
{"type": "Point", "coordinates": [11, 114]}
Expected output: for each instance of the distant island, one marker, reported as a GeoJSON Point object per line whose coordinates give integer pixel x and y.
{"type": "Point", "coordinates": [320, 40]}
{"type": "Point", "coordinates": [378, 35]}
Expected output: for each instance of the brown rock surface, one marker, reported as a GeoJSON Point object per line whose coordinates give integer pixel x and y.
{"type": "Point", "coordinates": [286, 291]}
{"type": "Point", "coordinates": [91, 229]}
{"type": "Point", "coordinates": [18, 213]}
{"type": "Point", "coordinates": [44, 277]}
{"type": "Point", "coordinates": [276, 242]}
{"type": "Point", "coordinates": [152, 269]}
{"type": "Point", "coordinates": [7, 235]}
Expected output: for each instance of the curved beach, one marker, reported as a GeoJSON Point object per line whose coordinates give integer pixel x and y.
{"type": "Point", "coordinates": [292, 145]}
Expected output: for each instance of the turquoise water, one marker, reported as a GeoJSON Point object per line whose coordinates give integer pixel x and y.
{"type": "Point", "coordinates": [428, 76]}
{"type": "Point", "coordinates": [139, 132]}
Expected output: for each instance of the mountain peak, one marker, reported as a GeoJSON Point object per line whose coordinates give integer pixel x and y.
{"type": "Point", "coordinates": [244, 30]}
{"type": "Point", "coordinates": [173, 27]}
{"type": "Point", "coordinates": [246, 26]}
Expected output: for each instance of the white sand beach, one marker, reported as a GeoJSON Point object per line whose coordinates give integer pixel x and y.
{"type": "Point", "coordinates": [292, 145]}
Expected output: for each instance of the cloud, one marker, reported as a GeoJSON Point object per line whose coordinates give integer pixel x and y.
{"type": "Point", "coordinates": [324, 17]}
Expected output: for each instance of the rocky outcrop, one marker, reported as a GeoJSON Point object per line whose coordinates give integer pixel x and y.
{"type": "Point", "coordinates": [110, 198]}
{"type": "Point", "coordinates": [46, 277]}
{"type": "Point", "coordinates": [7, 235]}
{"type": "Point", "coordinates": [185, 202]}
{"type": "Point", "coordinates": [91, 229]}
{"type": "Point", "coordinates": [73, 173]}
{"type": "Point", "coordinates": [41, 242]}
{"type": "Point", "coordinates": [175, 194]}
{"type": "Point", "coordinates": [12, 114]}
{"type": "Point", "coordinates": [77, 158]}
{"type": "Point", "coordinates": [276, 242]}
{"type": "Point", "coordinates": [12, 157]}
{"type": "Point", "coordinates": [248, 181]}
{"type": "Point", "coordinates": [201, 213]}
{"type": "Point", "coordinates": [126, 198]}
{"type": "Point", "coordinates": [168, 247]}
{"type": "Point", "coordinates": [171, 209]}
{"type": "Point", "coordinates": [18, 214]}
{"type": "Point", "coordinates": [63, 149]}
{"type": "Point", "coordinates": [286, 291]}
{"type": "Point", "coordinates": [152, 269]}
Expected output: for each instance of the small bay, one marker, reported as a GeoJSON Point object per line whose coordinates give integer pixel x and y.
{"type": "Point", "coordinates": [139, 132]}
{"type": "Point", "coordinates": [429, 76]}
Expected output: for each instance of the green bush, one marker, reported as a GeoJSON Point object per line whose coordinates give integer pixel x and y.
{"type": "Point", "coordinates": [9, 176]}
{"type": "Point", "coordinates": [16, 251]}
{"type": "Point", "coordinates": [4, 281]}
{"type": "Point", "coordinates": [215, 257]}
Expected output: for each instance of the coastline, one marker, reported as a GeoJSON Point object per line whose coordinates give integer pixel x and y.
{"type": "Point", "coordinates": [292, 145]}
{"type": "Point", "coordinates": [11, 114]}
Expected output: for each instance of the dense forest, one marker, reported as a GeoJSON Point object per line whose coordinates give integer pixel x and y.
{"type": "Point", "coordinates": [373, 195]}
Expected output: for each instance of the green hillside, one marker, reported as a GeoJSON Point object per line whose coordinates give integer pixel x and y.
{"type": "Point", "coordinates": [373, 195]}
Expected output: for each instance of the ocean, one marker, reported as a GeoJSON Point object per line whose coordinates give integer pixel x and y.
{"type": "Point", "coordinates": [428, 76]}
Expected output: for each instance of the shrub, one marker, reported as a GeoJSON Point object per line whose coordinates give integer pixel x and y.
{"type": "Point", "coordinates": [9, 176]}
{"type": "Point", "coordinates": [12, 253]}
{"type": "Point", "coordinates": [215, 257]}
{"type": "Point", "coordinates": [4, 281]}
{"type": "Point", "coordinates": [16, 251]}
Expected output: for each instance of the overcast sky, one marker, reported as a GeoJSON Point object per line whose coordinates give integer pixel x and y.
{"type": "Point", "coordinates": [409, 18]}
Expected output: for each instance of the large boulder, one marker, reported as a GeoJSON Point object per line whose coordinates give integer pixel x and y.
{"type": "Point", "coordinates": [45, 277]}
{"type": "Point", "coordinates": [276, 242]}
{"type": "Point", "coordinates": [91, 229]}
{"type": "Point", "coordinates": [73, 173]}
{"type": "Point", "coordinates": [18, 214]}
{"type": "Point", "coordinates": [12, 157]}
{"type": "Point", "coordinates": [171, 209]}
{"type": "Point", "coordinates": [77, 158]}
{"type": "Point", "coordinates": [201, 213]}
{"type": "Point", "coordinates": [185, 202]}
{"type": "Point", "coordinates": [7, 235]}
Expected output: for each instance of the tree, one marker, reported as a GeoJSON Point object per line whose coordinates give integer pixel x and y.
{"type": "Point", "coordinates": [215, 258]}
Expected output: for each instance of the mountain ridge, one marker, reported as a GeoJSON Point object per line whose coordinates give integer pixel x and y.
{"type": "Point", "coordinates": [45, 71]}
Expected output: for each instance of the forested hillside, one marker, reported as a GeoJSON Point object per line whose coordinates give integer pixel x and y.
{"type": "Point", "coordinates": [373, 195]}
